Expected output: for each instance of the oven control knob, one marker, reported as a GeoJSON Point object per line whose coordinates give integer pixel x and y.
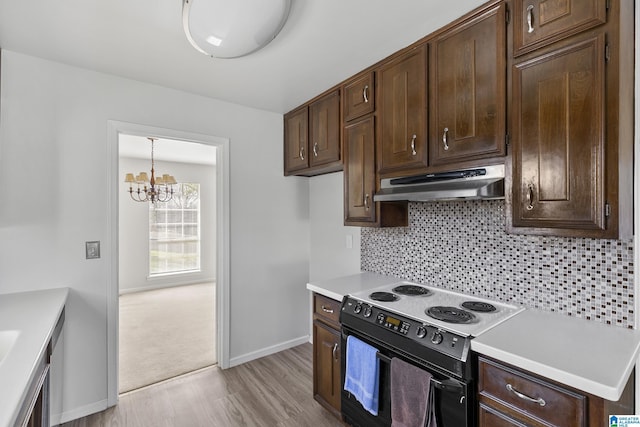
{"type": "Point", "coordinates": [421, 332]}
{"type": "Point", "coordinates": [367, 312]}
{"type": "Point", "coordinates": [357, 309]}
{"type": "Point", "coordinates": [437, 338]}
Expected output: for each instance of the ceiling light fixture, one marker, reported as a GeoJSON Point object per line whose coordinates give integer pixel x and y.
{"type": "Point", "coordinates": [153, 190]}
{"type": "Point", "coordinates": [232, 28]}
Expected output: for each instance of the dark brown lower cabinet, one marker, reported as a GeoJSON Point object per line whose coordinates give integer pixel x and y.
{"type": "Point", "coordinates": [327, 367]}
{"type": "Point", "coordinates": [326, 353]}
{"type": "Point", "coordinates": [509, 396]}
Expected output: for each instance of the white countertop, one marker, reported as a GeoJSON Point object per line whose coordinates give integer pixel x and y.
{"type": "Point", "coordinates": [590, 356]}
{"type": "Point", "coordinates": [587, 355]}
{"type": "Point", "coordinates": [339, 287]}
{"type": "Point", "coordinates": [33, 315]}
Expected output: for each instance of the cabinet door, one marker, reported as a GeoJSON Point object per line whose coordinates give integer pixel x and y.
{"type": "Point", "coordinates": [360, 171]}
{"type": "Point", "coordinates": [326, 365]}
{"type": "Point", "coordinates": [324, 122]}
{"type": "Point", "coordinates": [538, 23]}
{"type": "Point", "coordinates": [296, 153]}
{"type": "Point", "coordinates": [403, 112]}
{"type": "Point", "coordinates": [468, 84]}
{"type": "Point", "coordinates": [359, 97]}
{"type": "Point", "coordinates": [559, 164]}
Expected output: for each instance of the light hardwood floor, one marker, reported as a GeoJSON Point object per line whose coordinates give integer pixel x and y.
{"type": "Point", "coordinates": [272, 391]}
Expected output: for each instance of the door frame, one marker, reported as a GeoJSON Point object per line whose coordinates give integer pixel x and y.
{"type": "Point", "coordinates": [636, 189]}
{"type": "Point", "coordinates": [115, 128]}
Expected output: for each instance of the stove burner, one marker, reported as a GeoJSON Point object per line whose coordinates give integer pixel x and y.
{"type": "Point", "coordinates": [413, 290]}
{"type": "Point", "coordinates": [383, 296]}
{"type": "Point", "coordinates": [450, 314]}
{"type": "Point", "coordinates": [479, 306]}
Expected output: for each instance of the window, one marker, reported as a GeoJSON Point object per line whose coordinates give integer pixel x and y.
{"type": "Point", "coordinates": [174, 232]}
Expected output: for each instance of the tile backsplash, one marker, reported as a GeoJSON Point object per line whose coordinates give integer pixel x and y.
{"type": "Point", "coordinates": [463, 246]}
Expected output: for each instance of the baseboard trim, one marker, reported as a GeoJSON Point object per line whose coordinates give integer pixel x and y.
{"type": "Point", "coordinates": [248, 357]}
{"type": "Point", "coordinates": [83, 411]}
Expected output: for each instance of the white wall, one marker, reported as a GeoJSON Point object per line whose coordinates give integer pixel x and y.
{"type": "Point", "coordinates": [53, 171]}
{"type": "Point", "coordinates": [330, 256]}
{"type": "Point", "coordinates": [133, 218]}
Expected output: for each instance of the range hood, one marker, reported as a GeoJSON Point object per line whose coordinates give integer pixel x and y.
{"type": "Point", "coordinates": [467, 184]}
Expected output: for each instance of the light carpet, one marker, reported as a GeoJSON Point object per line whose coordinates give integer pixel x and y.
{"type": "Point", "coordinates": [165, 333]}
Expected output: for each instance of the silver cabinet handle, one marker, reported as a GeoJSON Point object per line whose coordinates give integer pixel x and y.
{"type": "Point", "coordinates": [364, 93]}
{"type": "Point", "coordinates": [366, 201]}
{"type": "Point", "coordinates": [530, 197]}
{"type": "Point", "coordinates": [301, 153]}
{"type": "Point", "coordinates": [327, 310]}
{"type": "Point", "coordinates": [413, 145]}
{"type": "Point", "coordinates": [335, 351]}
{"type": "Point", "coordinates": [540, 401]}
{"type": "Point", "coordinates": [530, 18]}
{"type": "Point", "coordinates": [445, 137]}
{"type": "Point", "coordinates": [315, 149]}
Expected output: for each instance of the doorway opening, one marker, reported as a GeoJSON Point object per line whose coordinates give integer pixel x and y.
{"type": "Point", "coordinates": [166, 262]}
{"type": "Point", "coordinates": [168, 293]}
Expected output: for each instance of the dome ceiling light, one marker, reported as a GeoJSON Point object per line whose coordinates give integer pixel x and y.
{"type": "Point", "coordinates": [232, 28]}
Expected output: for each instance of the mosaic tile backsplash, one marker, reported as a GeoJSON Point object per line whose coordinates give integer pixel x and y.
{"type": "Point", "coordinates": [463, 246]}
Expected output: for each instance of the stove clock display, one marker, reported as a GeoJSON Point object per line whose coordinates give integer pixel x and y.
{"type": "Point", "coordinates": [393, 323]}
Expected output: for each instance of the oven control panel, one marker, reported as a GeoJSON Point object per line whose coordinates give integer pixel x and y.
{"type": "Point", "coordinates": [393, 323]}
{"type": "Point", "coordinates": [424, 334]}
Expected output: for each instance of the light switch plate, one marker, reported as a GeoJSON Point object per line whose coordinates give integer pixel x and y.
{"type": "Point", "coordinates": [92, 249]}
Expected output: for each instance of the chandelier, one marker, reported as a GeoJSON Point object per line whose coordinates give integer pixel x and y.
{"type": "Point", "coordinates": [152, 190]}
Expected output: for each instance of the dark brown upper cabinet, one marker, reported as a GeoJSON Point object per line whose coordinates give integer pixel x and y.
{"type": "Point", "coordinates": [402, 102]}
{"type": "Point", "coordinates": [360, 167]}
{"type": "Point", "coordinates": [538, 23]}
{"type": "Point", "coordinates": [359, 97]}
{"type": "Point", "coordinates": [312, 137]}
{"type": "Point", "coordinates": [559, 147]}
{"type": "Point", "coordinates": [359, 172]}
{"type": "Point", "coordinates": [572, 133]}
{"type": "Point", "coordinates": [296, 135]}
{"type": "Point", "coordinates": [468, 89]}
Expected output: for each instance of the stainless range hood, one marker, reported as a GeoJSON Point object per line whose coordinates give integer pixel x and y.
{"type": "Point", "coordinates": [467, 184]}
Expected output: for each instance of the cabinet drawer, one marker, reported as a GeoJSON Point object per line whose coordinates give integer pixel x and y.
{"type": "Point", "coordinates": [538, 23]}
{"type": "Point", "coordinates": [359, 97]}
{"type": "Point", "coordinates": [489, 417]}
{"type": "Point", "coordinates": [326, 309]}
{"type": "Point", "coordinates": [529, 396]}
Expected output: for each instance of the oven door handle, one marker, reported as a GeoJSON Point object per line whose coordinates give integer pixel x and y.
{"type": "Point", "coordinates": [447, 385]}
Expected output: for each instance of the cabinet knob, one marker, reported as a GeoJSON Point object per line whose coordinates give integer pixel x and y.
{"type": "Point", "coordinates": [530, 18]}
{"type": "Point", "coordinates": [530, 196]}
{"type": "Point", "coordinates": [413, 145]}
{"type": "Point", "coordinates": [364, 94]}
{"type": "Point", "coordinates": [301, 153]}
{"type": "Point", "coordinates": [445, 139]}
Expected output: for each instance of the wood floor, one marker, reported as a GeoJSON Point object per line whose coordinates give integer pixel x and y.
{"type": "Point", "coordinates": [272, 391]}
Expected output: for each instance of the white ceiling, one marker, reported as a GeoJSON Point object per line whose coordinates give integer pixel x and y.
{"type": "Point", "coordinates": [322, 43]}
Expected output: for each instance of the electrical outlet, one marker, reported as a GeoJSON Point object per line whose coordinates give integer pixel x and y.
{"type": "Point", "coordinates": [349, 241]}
{"type": "Point", "coordinates": [92, 249]}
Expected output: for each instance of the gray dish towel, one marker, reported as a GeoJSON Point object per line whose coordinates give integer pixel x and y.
{"type": "Point", "coordinates": [411, 396]}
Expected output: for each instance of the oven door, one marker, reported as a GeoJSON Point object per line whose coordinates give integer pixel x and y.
{"type": "Point", "coordinates": [452, 400]}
